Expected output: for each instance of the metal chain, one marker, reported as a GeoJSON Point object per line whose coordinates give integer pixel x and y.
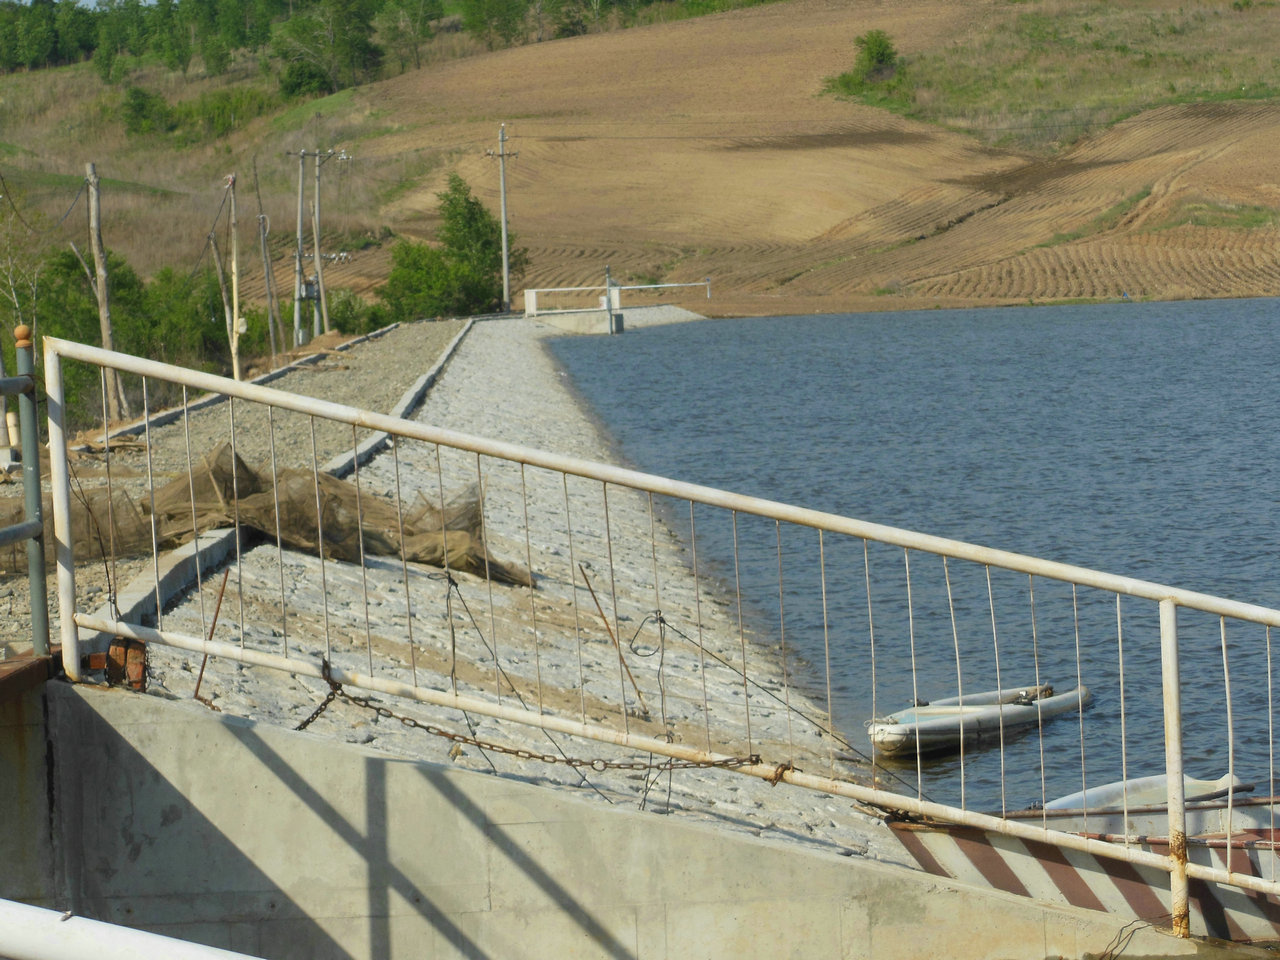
{"type": "Point", "coordinates": [336, 692]}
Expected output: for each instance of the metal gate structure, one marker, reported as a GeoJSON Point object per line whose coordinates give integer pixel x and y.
{"type": "Point", "coordinates": [691, 624]}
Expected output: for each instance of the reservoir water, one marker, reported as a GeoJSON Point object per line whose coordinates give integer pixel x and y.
{"type": "Point", "coordinates": [1139, 439]}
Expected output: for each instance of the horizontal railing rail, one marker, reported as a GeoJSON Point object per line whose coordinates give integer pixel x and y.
{"type": "Point", "coordinates": [612, 295]}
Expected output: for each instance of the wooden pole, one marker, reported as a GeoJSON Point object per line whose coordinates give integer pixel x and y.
{"type": "Point", "coordinates": [222, 283]}
{"type": "Point", "coordinates": [297, 259]}
{"type": "Point", "coordinates": [117, 407]}
{"type": "Point", "coordinates": [315, 232]}
{"type": "Point", "coordinates": [236, 322]}
{"type": "Point", "coordinates": [273, 301]}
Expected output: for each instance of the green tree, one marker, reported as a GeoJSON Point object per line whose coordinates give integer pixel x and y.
{"type": "Point", "coordinates": [495, 22]}
{"type": "Point", "coordinates": [37, 36]}
{"type": "Point", "coordinates": [76, 31]}
{"type": "Point", "coordinates": [460, 276]}
{"type": "Point", "coordinates": [334, 39]}
{"type": "Point", "coordinates": [405, 25]}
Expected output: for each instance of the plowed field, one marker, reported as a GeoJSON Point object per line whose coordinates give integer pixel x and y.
{"type": "Point", "coordinates": [705, 148]}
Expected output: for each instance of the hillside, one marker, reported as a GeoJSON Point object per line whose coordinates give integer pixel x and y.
{"type": "Point", "coordinates": [705, 148]}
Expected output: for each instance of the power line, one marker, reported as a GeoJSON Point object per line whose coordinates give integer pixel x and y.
{"type": "Point", "coordinates": [8, 196]}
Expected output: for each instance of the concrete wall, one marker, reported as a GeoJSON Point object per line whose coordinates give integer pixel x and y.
{"type": "Point", "coordinates": [284, 844]}
{"type": "Point", "coordinates": [593, 322]}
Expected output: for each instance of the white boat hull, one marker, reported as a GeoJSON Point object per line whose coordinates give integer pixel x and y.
{"type": "Point", "coordinates": [946, 725]}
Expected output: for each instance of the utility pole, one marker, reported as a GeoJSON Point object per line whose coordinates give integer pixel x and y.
{"type": "Point", "coordinates": [235, 283]}
{"type": "Point", "coordinates": [117, 407]}
{"type": "Point", "coordinates": [297, 259]}
{"type": "Point", "coordinates": [315, 232]}
{"type": "Point", "coordinates": [502, 187]}
{"type": "Point", "coordinates": [273, 301]}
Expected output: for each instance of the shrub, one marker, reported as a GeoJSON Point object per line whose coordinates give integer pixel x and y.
{"type": "Point", "coordinates": [305, 79]}
{"type": "Point", "coordinates": [460, 277]}
{"type": "Point", "coordinates": [877, 67]}
{"type": "Point", "coordinates": [146, 112]}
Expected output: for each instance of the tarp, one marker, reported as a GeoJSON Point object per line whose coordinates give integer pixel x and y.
{"type": "Point", "coordinates": [300, 507]}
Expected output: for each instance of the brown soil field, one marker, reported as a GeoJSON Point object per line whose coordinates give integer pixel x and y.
{"type": "Point", "coordinates": [706, 149]}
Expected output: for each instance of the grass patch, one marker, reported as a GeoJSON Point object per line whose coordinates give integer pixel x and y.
{"type": "Point", "coordinates": [672, 10]}
{"type": "Point", "coordinates": [303, 112]}
{"type": "Point", "coordinates": [1226, 216]}
{"type": "Point", "coordinates": [1040, 74]}
{"type": "Point", "coordinates": [1105, 221]}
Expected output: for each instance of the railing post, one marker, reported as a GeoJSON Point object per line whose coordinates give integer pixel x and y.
{"type": "Point", "coordinates": [60, 485]}
{"type": "Point", "coordinates": [28, 426]}
{"type": "Point", "coordinates": [1173, 767]}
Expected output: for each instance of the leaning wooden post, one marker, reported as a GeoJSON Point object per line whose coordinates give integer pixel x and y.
{"type": "Point", "coordinates": [34, 507]}
{"type": "Point", "coordinates": [117, 408]}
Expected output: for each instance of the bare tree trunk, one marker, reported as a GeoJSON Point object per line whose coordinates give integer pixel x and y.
{"type": "Point", "coordinates": [117, 407]}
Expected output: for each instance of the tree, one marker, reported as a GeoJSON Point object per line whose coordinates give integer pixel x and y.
{"type": "Point", "coordinates": [495, 21]}
{"type": "Point", "coordinates": [404, 25]}
{"type": "Point", "coordinates": [461, 276]}
{"type": "Point", "coordinates": [334, 39]}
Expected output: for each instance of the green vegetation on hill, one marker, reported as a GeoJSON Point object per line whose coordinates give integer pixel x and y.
{"type": "Point", "coordinates": [1041, 74]}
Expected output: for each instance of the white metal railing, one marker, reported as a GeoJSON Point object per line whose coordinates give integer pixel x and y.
{"type": "Point", "coordinates": [767, 633]}
{"type": "Point", "coordinates": [612, 296]}
{"type": "Point", "coordinates": [34, 933]}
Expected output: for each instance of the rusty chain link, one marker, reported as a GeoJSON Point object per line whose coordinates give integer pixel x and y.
{"type": "Point", "coordinates": [336, 692]}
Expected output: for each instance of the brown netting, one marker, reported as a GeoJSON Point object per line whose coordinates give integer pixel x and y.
{"type": "Point", "coordinates": [225, 490]}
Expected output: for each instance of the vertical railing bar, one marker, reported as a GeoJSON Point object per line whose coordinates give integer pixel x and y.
{"type": "Point", "coordinates": [1171, 685]}
{"type": "Point", "coordinates": [915, 686]}
{"type": "Point", "coordinates": [697, 607]}
{"type": "Point", "coordinates": [1075, 617]}
{"type": "Point", "coordinates": [657, 613]}
{"type": "Point", "coordinates": [113, 577]}
{"type": "Point", "coordinates": [782, 630]}
{"type": "Point", "coordinates": [742, 631]}
{"type": "Point", "coordinates": [364, 567]}
{"type": "Point", "coordinates": [613, 599]}
{"type": "Point", "coordinates": [404, 560]}
{"type": "Point", "coordinates": [1124, 738]}
{"type": "Point", "coordinates": [1271, 752]}
{"type": "Point", "coordinates": [1035, 653]}
{"type": "Point", "coordinates": [448, 576]}
{"type": "Point", "coordinates": [1231, 742]}
{"type": "Point", "coordinates": [955, 643]}
{"type": "Point", "coordinates": [995, 646]}
{"type": "Point", "coordinates": [871, 636]}
{"type": "Point", "coordinates": [573, 592]}
{"type": "Point", "coordinates": [235, 509]}
{"type": "Point", "coordinates": [191, 492]}
{"type": "Point", "coordinates": [830, 733]}
{"type": "Point", "coordinates": [488, 579]}
{"type": "Point", "coordinates": [151, 493]}
{"type": "Point", "coordinates": [275, 496]}
{"type": "Point", "coordinates": [60, 481]}
{"type": "Point", "coordinates": [533, 604]}
{"type": "Point", "coordinates": [324, 580]}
